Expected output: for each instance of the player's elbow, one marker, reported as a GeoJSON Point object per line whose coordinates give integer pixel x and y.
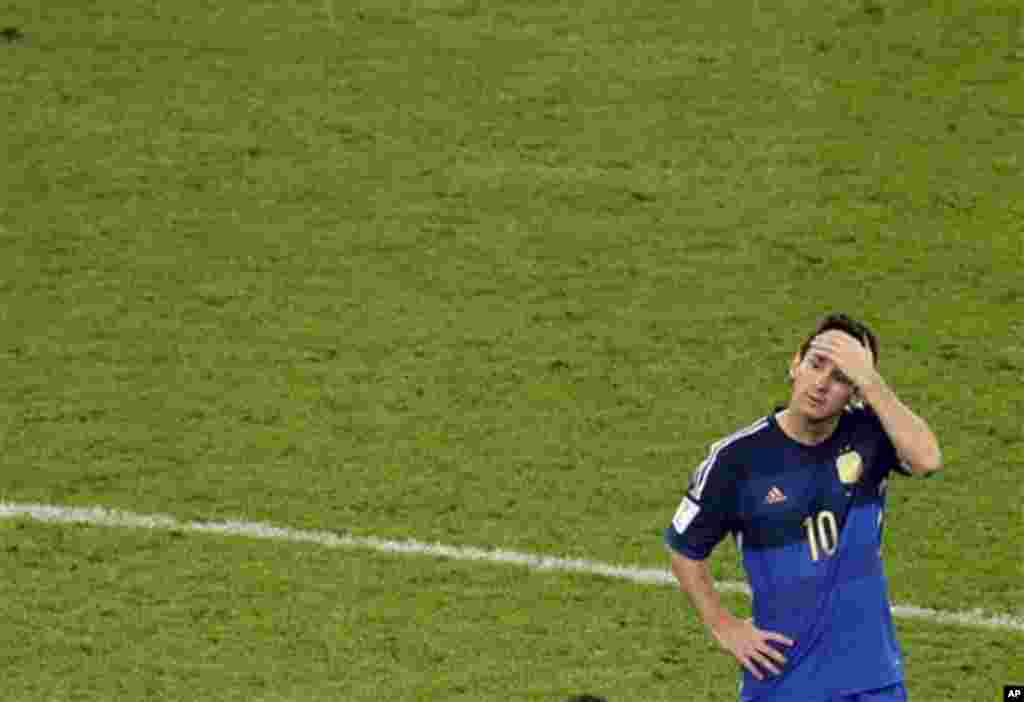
{"type": "Point", "coordinates": [928, 464]}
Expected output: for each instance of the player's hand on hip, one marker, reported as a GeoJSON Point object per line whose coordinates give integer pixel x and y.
{"type": "Point", "coordinates": [752, 647]}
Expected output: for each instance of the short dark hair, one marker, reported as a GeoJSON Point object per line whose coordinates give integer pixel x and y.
{"type": "Point", "coordinates": [586, 698]}
{"type": "Point", "coordinates": [844, 323]}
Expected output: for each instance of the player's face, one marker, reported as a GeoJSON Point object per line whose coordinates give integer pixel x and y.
{"type": "Point", "coordinates": [820, 389]}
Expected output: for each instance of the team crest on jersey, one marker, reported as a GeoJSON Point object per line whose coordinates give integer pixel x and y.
{"type": "Point", "coordinates": [850, 466]}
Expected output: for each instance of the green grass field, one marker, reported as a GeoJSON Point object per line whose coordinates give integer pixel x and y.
{"type": "Point", "coordinates": [490, 274]}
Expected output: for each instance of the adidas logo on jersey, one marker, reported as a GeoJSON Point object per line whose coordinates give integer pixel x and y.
{"type": "Point", "coordinates": [775, 496]}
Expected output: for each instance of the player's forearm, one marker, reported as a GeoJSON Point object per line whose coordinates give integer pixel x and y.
{"type": "Point", "coordinates": [913, 438]}
{"type": "Point", "coordinates": [695, 580]}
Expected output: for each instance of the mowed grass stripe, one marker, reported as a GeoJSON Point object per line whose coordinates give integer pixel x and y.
{"type": "Point", "coordinates": [99, 516]}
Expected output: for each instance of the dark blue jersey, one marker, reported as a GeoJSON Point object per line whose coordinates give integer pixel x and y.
{"type": "Point", "coordinates": [808, 521]}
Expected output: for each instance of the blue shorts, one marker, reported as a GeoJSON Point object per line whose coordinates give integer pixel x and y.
{"type": "Point", "coordinates": [893, 693]}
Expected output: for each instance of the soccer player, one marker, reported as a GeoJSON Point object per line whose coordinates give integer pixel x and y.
{"type": "Point", "coordinates": [803, 492]}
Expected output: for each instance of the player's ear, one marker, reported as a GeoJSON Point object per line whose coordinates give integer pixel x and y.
{"type": "Point", "coordinates": [857, 400]}
{"type": "Point", "coordinates": [793, 365]}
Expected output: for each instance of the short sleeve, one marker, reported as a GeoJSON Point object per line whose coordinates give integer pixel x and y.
{"type": "Point", "coordinates": [707, 511]}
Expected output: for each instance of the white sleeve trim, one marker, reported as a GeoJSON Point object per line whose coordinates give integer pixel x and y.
{"type": "Point", "coordinates": [700, 477]}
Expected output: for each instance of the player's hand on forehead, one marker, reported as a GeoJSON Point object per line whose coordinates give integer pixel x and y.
{"type": "Point", "coordinates": [853, 360]}
{"type": "Point", "coordinates": [834, 342]}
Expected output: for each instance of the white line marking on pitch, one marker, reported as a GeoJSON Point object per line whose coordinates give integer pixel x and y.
{"type": "Point", "coordinates": [99, 516]}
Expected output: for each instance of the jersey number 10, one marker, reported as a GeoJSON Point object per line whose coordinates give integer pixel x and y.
{"type": "Point", "coordinates": [822, 534]}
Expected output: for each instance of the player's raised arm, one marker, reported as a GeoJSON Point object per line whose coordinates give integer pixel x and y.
{"type": "Point", "coordinates": [914, 440]}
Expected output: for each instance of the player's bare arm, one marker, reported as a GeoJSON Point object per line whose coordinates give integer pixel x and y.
{"type": "Point", "coordinates": [750, 646]}
{"type": "Point", "coordinates": [910, 434]}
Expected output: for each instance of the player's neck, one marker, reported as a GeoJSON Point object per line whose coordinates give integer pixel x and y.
{"type": "Point", "coordinates": [803, 429]}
